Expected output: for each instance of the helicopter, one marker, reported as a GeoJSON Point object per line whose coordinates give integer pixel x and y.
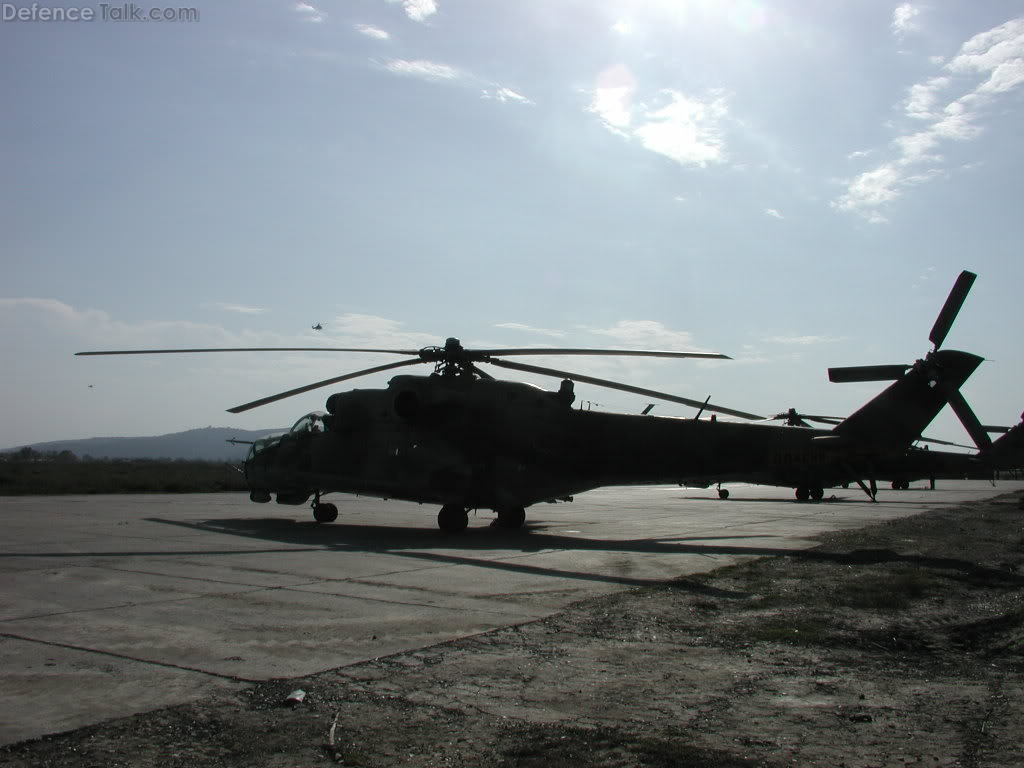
{"type": "Point", "coordinates": [464, 440]}
{"type": "Point", "coordinates": [877, 441]}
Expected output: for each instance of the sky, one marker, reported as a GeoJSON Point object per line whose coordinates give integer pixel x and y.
{"type": "Point", "coordinates": [796, 185]}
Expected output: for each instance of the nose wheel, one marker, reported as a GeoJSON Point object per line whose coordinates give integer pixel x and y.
{"type": "Point", "coordinates": [323, 511]}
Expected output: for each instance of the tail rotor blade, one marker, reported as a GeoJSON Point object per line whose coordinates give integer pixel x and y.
{"type": "Point", "coordinates": [963, 411]}
{"type": "Point", "coordinates": [866, 373]}
{"type": "Point", "coordinates": [949, 311]}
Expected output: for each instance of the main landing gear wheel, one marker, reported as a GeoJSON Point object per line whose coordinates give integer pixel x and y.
{"type": "Point", "coordinates": [804, 493]}
{"type": "Point", "coordinates": [452, 518]}
{"type": "Point", "coordinates": [325, 512]}
{"type": "Point", "coordinates": [723, 493]}
{"type": "Point", "coordinates": [511, 517]}
{"type": "Point", "coordinates": [901, 485]}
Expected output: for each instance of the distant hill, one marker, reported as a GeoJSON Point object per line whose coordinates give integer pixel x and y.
{"type": "Point", "coordinates": [208, 444]}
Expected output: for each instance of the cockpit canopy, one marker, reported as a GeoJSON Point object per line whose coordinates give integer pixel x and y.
{"type": "Point", "coordinates": [308, 424]}
{"type": "Point", "coordinates": [311, 422]}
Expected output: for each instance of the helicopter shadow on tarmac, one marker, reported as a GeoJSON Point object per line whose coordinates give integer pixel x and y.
{"type": "Point", "coordinates": [415, 543]}
{"type": "Point", "coordinates": [824, 503]}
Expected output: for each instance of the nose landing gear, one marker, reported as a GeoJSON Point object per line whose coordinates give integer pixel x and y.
{"type": "Point", "coordinates": [323, 512]}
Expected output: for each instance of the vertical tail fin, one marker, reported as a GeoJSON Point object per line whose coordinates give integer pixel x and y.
{"type": "Point", "coordinates": [1007, 451]}
{"type": "Point", "coordinates": [897, 416]}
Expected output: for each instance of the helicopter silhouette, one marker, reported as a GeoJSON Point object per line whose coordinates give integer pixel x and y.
{"type": "Point", "coordinates": [460, 438]}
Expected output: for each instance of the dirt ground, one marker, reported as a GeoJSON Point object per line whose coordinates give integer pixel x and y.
{"type": "Point", "coordinates": [899, 644]}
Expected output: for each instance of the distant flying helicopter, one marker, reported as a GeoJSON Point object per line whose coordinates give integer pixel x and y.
{"type": "Point", "coordinates": [318, 327]}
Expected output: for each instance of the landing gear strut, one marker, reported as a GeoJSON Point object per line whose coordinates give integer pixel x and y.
{"type": "Point", "coordinates": [723, 493]}
{"type": "Point", "coordinates": [452, 518]}
{"type": "Point", "coordinates": [803, 493]}
{"type": "Point", "coordinates": [323, 512]}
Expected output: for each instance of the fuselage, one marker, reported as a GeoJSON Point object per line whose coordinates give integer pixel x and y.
{"type": "Point", "coordinates": [495, 444]}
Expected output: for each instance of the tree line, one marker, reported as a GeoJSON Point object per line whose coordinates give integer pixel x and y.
{"type": "Point", "coordinates": [27, 471]}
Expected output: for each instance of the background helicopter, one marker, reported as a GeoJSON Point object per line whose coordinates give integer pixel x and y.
{"type": "Point", "coordinates": [876, 442]}
{"type": "Point", "coordinates": [463, 439]}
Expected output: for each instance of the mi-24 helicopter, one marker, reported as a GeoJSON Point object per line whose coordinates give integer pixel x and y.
{"type": "Point", "coordinates": [462, 439]}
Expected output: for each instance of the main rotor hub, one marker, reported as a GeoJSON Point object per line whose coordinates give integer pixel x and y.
{"type": "Point", "coordinates": [450, 360]}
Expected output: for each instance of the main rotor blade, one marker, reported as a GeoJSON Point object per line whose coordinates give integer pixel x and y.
{"type": "Point", "coordinates": [324, 383]}
{"type": "Point", "coordinates": [618, 352]}
{"type": "Point", "coordinates": [926, 439]}
{"type": "Point", "coordinates": [949, 310]}
{"type": "Point", "coordinates": [989, 428]}
{"type": "Point", "coordinates": [792, 413]}
{"type": "Point", "coordinates": [866, 373]}
{"type": "Point", "coordinates": [249, 349]}
{"type": "Point", "coordinates": [623, 387]}
{"type": "Point", "coordinates": [833, 420]}
{"type": "Point", "coordinates": [963, 411]}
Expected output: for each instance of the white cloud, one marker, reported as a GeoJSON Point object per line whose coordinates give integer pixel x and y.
{"type": "Point", "coordinates": [612, 98]}
{"type": "Point", "coordinates": [309, 12]}
{"type": "Point", "coordinates": [531, 329]}
{"type": "Point", "coordinates": [240, 308]}
{"type": "Point", "coordinates": [772, 212]}
{"type": "Point", "coordinates": [622, 27]}
{"type": "Point", "coordinates": [94, 326]}
{"type": "Point", "coordinates": [351, 329]}
{"type": "Point", "coordinates": [437, 72]}
{"type": "Point", "coordinates": [997, 55]}
{"type": "Point", "coordinates": [986, 51]}
{"type": "Point", "coordinates": [904, 19]}
{"type": "Point", "coordinates": [649, 334]}
{"type": "Point", "coordinates": [682, 128]}
{"type": "Point", "coordinates": [427, 70]}
{"type": "Point", "coordinates": [921, 100]}
{"type": "Point", "coordinates": [502, 94]}
{"type": "Point", "coordinates": [1006, 76]}
{"type": "Point", "coordinates": [374, 32]}
{"type": "Point", "coordinates": [685, 130]}
{"type": "Point", "coordinates": [803, 340]}
{"type": "Point", "coordinates": [418, 10]}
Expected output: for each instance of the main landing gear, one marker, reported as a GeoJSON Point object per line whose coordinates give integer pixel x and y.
{"type": "Point", "coordinates": [453, 518]}
{"type": "Point", "coordinates": [323, 512]}
{"type": "Point", "coordinates": [510, 517]}
{"type": "Point", "coordinates": [723, 493]}
{"type": "Point", "coordinates": [803, 493]}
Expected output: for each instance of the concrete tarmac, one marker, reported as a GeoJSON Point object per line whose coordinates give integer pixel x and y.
{"type": "Point", "coordinates": [113, 605]}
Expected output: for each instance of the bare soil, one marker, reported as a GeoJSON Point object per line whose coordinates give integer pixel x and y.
{"type": "Point", "coordinates": [899, 644]}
